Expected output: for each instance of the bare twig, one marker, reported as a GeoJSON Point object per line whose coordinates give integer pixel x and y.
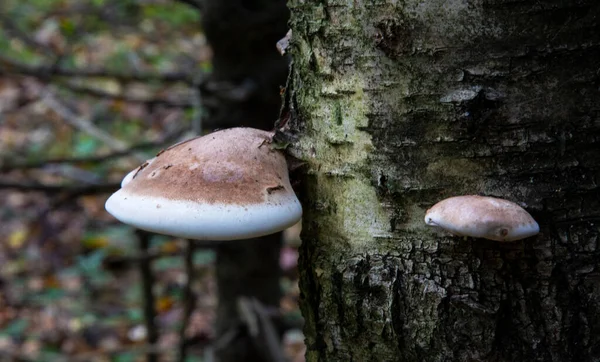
{"type": "Point", "coordinates": [74, 173]}
{"type": "Point", "coordinates": [82, 124]}
{"type": "Point", "coordinates": [188, 298]}
{"type": "Point", "coordinates": [192, 3]}
{"type": "Point", "coordinates": [260, 328]}
{"type": "Point", "coordinates": [270, 338]}
{"type": "Point", "coordinates": [164, 141]}
{"type": "Point", "coordinates": [125, 98]}
{"type": "Point", "coordinates": [14, 30]}
{"type": "Point", "coordinates": [85, 125]}
{"type": "Point", "coordinates": [231, 91]}
{"type": "Point", "coordinates": [227, 338]}
{"type": "Point", "coordinates": [147, 285]}
{"type": "Point", "coordinates": [73, 190]}
{"type": "Point", "coordinates": [8, 65]}
{"type": "Point", "coordinates": [153, 254]}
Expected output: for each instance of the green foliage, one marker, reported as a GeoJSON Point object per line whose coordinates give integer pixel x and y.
{"type": "Point", "coordinates": [16, 49]}
{"type": "Point", "coordinates": [91, 263]}
{"type": "Point", "coordinates": [173, 14]}
{"type": "Point", "coordinates": [167, 263]}
{"type": "Point", "coordinates": [135, 315]}
{"type": "Point", "coordinates": [68, 27]}
{"type": "Point", "coordinates": [49, 295]}
{"type": "Point", "coordinates": [204, 257]}
{"type": "Point", "coordinates": [120, 59]}
{"type": "Point", "coordinates": [280, 145]}
{"type": "Point", "coordinates": [15, 328]}
{"type": "Point", "coordinates": [85, 145]}
{"type": "Point", "coordinates": [91, 267]}
{"type": "Point", "coordinates": [125, 357]}
{"type": "Point", "coordinates": [193, 359]}
{"type": "Point", "coordinates": [49, 353]}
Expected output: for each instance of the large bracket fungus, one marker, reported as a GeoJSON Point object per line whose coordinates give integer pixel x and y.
{"type": "Point", "coordinates": [227, 185]}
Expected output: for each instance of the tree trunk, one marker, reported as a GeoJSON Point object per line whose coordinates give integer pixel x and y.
{"type": "Point", "coordinates": [244, 90]}
{"type": "Point", "coordinates": [399, 104]}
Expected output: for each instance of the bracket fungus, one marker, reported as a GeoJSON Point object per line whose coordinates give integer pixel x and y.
{"type": "Point", "coordinates": [482, 217]}
{"type": "Point", "coordinates": [227, 185]}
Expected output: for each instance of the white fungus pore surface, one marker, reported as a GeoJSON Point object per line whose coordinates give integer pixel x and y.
{"type": "Point", "coordinates": [215, 221]}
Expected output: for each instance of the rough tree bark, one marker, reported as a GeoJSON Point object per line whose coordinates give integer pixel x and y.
{"type": "Point", "coordinates": [244, 90]}
{"type": "Point", "coordinates": [398, 104]}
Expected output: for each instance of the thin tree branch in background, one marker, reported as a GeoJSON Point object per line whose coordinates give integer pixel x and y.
{"type": "Point", "coordinates": [85, 125]}
{"type": "Point", "coordinates": [164, 141]}
{"type": "Point", "coordinates": [260, 328]}
{"type": "Point", "coordinates": [269, 340]}
{"type": "Point", "coordinates": [8, 65]}
{"type": "Point", "coordinates": [81, 123]}
{"type": "Point", "coordinates": [192, 3]}
{"type": "Point", "coordinates": [156, 254]}
{"type": "Point", "coordinates": [122, 97]}
{"type": "Point", "coordinates": [148, 296]}
{"type": "Point", "coordinates": [223, 341]}
{"type": "Point", "coordinates": [74, 174]}
{"type": "Point", "coordinates": [70, 189]}
{"type": "Point", "coordinates": [188, 298]}
{"type": "Point", "coordinates": [13, 29]}
{"type": "Point", "coordinates": [198, 244]}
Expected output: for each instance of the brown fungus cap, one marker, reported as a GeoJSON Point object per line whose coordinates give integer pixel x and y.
{"type": "Point", "coordinates": [226, 185]}
{"type": "Point", "coordinates": [482, 217]}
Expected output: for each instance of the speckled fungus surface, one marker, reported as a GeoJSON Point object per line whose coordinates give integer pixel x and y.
{"type": "Point", "coordinates": [226, 185]}
{"type": "Point", "coordinates": [482, 217]}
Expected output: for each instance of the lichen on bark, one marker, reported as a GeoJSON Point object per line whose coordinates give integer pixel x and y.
{"type": "Point", "coordinates": [402, 103]}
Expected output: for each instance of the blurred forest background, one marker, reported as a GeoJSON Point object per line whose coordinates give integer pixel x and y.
{"type": "Point", "coordinates": [88, 91]}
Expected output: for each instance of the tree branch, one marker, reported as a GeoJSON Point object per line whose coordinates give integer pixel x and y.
{"type": "Point", "coordinates": [125, 98]}
{"type": "Point", "coordinates": [145, 268]}
{"type": "Point", "coordinates": [116, 260]}
{"type": "Point", "coordinates": [85, 125]}
{"type": "Point", "coordinates": [8, 65]}
{"type": "Point", "coordinates": [192, 3]}
{"type": "Point", "coordinates": [188, 298]}
{"type": "Point", "coordinates": [73, 190]}
{"type": "Point", "coordinates": [15, 31]}
{"type": "Point", "coordinates": [164, 141]}
{"type": "Point", "coordinates": [82, 123]}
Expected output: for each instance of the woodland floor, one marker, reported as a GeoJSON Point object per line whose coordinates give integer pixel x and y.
{"type": "Point", "coordinates": [88, 90]}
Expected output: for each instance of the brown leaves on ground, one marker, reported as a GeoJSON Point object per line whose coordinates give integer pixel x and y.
{"type": "Point", "coordinates": [69, 285]}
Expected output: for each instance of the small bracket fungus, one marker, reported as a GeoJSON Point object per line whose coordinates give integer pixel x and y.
{"type": "Point", "coordinates": [226, 185]}
{"type": "Point", "coordinates": [482, 217]}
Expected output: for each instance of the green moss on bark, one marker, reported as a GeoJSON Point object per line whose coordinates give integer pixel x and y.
{"type": "Point", "coordinates": [402, 103]}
